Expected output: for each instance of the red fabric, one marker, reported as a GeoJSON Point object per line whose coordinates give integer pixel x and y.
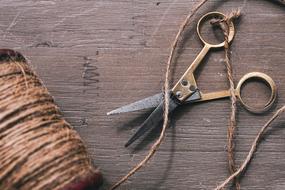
{"type": "Point", "coordinates": [9, 54]}
{"type": "Point", "coordinates": [88, 183]}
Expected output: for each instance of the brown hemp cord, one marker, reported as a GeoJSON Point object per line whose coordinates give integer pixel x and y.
{"type": "Point", "coordinates": [252, 150]}
{"type": "Point", "coordinates": [224, 25]}
{"type": "Point", "coordinates": [38, 149]}
{"type": "Point", "coordinates": [156, 145]}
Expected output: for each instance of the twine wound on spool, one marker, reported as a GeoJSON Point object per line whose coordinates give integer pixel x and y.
{"type": "Point", "coordinates": [38, 148]}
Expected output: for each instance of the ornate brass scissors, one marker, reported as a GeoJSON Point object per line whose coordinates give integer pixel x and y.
{"type": "Point", "coordinates": [186, 90]}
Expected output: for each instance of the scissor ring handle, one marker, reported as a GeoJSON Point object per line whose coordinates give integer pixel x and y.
{"type": "Point", "coordinates": [261, 76]}
{"type": "Point", "coordinates": [215, 15]}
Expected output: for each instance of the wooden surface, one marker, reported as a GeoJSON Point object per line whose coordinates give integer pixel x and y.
{"type": "Point", "coordinates": [97, 55]}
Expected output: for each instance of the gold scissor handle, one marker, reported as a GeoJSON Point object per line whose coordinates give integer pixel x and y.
{"type": "Point", "coordinates": [187, 83]}
{"type": "Point", "coordinates": [216, 15]}
{"type": "Point", "coordinates": [253, 75]}
{"type": "Point", "coordinates": [264, 78]}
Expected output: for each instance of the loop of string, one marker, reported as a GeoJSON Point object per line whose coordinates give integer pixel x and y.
{"type": "Point", "coordinates": [156, 145]}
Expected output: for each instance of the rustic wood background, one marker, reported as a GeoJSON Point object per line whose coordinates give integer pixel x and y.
{"type": "Point", "coordinates": [97, 55]}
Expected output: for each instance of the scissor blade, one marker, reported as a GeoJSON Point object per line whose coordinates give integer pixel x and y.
{"type": "Point", "coordinates": [149, 102]}
{"type": "Point", "coordinates": [152, 121]}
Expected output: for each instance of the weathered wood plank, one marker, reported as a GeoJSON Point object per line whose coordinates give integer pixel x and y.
{"type": "Point", "coordinates": [97, 55]}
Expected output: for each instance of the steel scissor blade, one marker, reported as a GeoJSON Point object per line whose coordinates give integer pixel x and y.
{"type": "Point", "coordinates": [152, 121]}
{"type": "Point", "coordinates": [149, 102]}
{"type": "Point", "coordinates": [157, 115]}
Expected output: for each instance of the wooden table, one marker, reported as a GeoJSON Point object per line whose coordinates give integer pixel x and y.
{"type": "Point", "coordinates": [97, 55]}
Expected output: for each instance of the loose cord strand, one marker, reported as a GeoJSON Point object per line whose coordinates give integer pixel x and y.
{"type": "Point", "coordinates": [156, 145]}
{"type": "Point", "coordinates": [224, 25]}
{"type": "Point", "coordinates": [252, 150]}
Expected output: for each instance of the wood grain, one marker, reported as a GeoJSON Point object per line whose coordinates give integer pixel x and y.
{"type": "Point", "coordinates": [97, 55]}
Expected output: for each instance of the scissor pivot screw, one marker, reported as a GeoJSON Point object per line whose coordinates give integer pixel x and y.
{"type": "Point", "coordinates": [178, 94]}
{"type": "Point", "coordinates": [184, 82]}
{"type": "Point", "coordinates": [192, 88]}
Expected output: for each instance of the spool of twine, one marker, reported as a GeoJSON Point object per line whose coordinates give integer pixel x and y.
{"type": "Point", "coordinates": [38, 148]}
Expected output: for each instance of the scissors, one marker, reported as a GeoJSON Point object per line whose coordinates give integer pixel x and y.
{"type": "Point", "coordinates": [186, 91]}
